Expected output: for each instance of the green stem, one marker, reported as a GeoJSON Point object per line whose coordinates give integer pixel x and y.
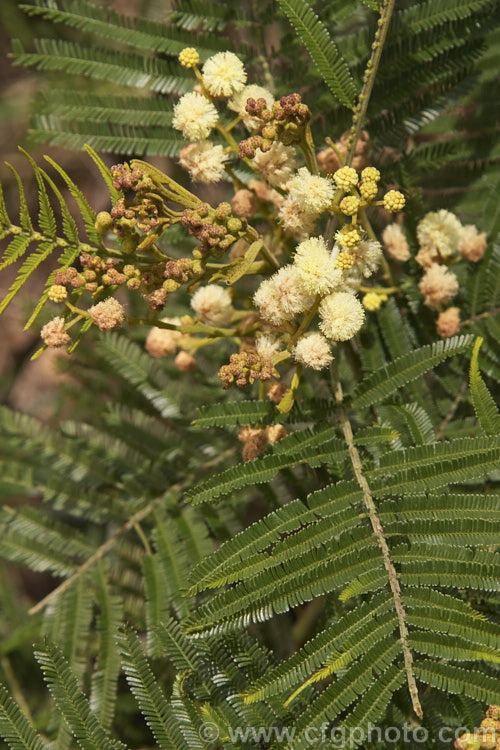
{"type": "Point", "coordinates": [306, 145]}
{"type": "Point", "coordinates": [269, 256]}
{"type": "Point", "coordinates": [369, 78]}
{"type": "Point", "coordinates": [306, 321]}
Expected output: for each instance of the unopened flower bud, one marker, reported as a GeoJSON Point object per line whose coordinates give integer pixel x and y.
{"type": "Point", "coordinates": [394, 201]}
{"type": "Point", "coordinates": [103, 222]}
{"type": "Point", "coordinates": [57, 293]}
{"type": "Point", "coordinates": [189, 57]}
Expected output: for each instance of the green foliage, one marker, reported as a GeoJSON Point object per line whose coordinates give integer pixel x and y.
{"type": "Point", "coordinates": [322, 48]}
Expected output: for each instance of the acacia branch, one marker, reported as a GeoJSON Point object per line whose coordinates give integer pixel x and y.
{"type": "Point", "coordinates": [384, 548]}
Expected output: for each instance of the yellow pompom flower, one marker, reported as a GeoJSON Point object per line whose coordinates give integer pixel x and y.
{"type": "Point", "coordinates": [346, 178]}
{"type": "Point", "coordinates": [370, 174]}
{"type": "Point", "coordinates": [344, 260]}
{"type": "Point", "coordinates": [368, 190]}
{"type": "Point", "coordinates": [57, 293]}
{"type": "Point", "coordinates": [189, 57]}
{"type": "Point", "coordinates": [372, 301]}
{"type": "Point", "coordinates": [349, 205]}
{"type": "Point", "coordinates": [394, 201]}
{"type": "Point", "coordinates": [348, 236]}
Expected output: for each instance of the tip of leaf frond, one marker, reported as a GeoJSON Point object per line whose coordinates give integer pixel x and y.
{"type": "Point", "coordinates": [38, 352]}
{"type": "Point", "coordinates": [477, 345]}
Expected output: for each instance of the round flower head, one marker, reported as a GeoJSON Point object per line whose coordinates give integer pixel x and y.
{"type": "Point", "coordinates": [267, 346]}
{"type": "Point", "coordinates": [394, 201]}
{"type": "Point", "coordinates": [349, 205]}
{"type": "Point", "coordinates": [314, 194]}
{"type": "Point", "coordinates": [341, 316]}
{"type": "Point", "coordinates": [224, 74]}
{"type": "Point", "coordinates": [438, 285]}
{"type": "Point", "coordinates": [277, 165]}
{"type": "Point", "coordinates": [204, 161]}
{"type": "Point", "coordinates": [213, 305]}
{"type": "Point", "coordinates": [194, 116]}
{"type": "Point", "coordinates": [189, 57]}
{"type": "Point", "coordinates": [344, 260]}
{"type": "Point", "coordinates": [367, 257]}
{"type": "Point", "coordinates": [282, 297]}
{"type": "Point", "coordinates": [185, 362]}
{"type": "Point", "coordinates": [316, 267]}
{"type": "Point", "coordinates": [372, 301]}
{"type": "Point", "coordinates": [53, 333]}
{"type": "Point", "coordinates": [368, 190]}
{"type": "Point", "coordinates": [472, 243]}
{"type": "Point", "coordinates": [239, 102]}
{"type": "Point", "coordinates": [346, 178]}
{"type": "Point", "coordinates": [243, 203]}
{"type": "Point", "coordinates": [57, 293]}
{"type": "Point", "coordinates": [448, 322]}
{"type": "Point", "coordinates": [370, 173]}
{"type": "Point", "coordinates": [313, 350]}
{"type": "Point", "coordinates": [163, 341]}
{"type": "Point", "coordinates": [295, 220]}
{"type": "Point", "coordinates": [439, 233]}
{"type": "Point", "coordinates": [348, 236]}
{"type": "Point", "coordinates": [395, 243]}
{"type": "Point", "coordinates": [107, 315]}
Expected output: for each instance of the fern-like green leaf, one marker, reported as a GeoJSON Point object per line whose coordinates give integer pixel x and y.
{"type": "Point", "coordinates": [105, 676]}
{"type": "Point", "coordinates": [71, 702]}
{"type": "Point", "coordinates": [153, 704]}
{"type": "Point", "coordinates": [15, 728]}
{"type": "Point", "coordinates": [322, 49]}
{"type": "Point", "coordinates": [484, 406]}
{"type": "Point", "coordinates": [386, 380]}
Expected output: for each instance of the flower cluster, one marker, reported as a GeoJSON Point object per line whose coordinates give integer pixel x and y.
{"type": "Point", "coordinates": [216, 229]}
{"type": "Point", "coordinates": [443, 241]}
{"type": "Point", "coordinates": [245, 368]}
{"type": "Point", "coordinates": [304, 289]}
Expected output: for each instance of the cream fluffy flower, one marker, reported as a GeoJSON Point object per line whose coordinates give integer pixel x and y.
{"type": "Point", "coordinates": [282, 296]}
{"type": "Point", "coordinates": [294, 220]}
{"type": "Point", "coordinates": [204, 161]}
{"type": "Point", "coordinates": [395, 243]}
{"type": "Point", "coordinates": [107, 315]}
{"type": "Point", "coordinates": [276, 165]}
{"type": "Point", "coordinates": [367, 257]}
{"type": "Point", "coordinates": [163, 341]}
{"type": "Point", "coordinates": [267, 346]}
{"type": "Point", "coordinates": [341, 316]}
{"type": "Point", "coordinates": [313, 350]}
{"type": "Point", "coordinates": [213, 305]}
{"type": "Point", "coordinates": [195, 116]}
{"type": "Point", "coordinates": [440, 232]}
{"type": "Point", "coordinates": [472, 243]}
{"type": "Point", "coordinates": [53, 333]}
{"type": "Point", "coordinates": [438, 285]}
{"type": "Point", "coordinates": [313, 193]}
{"type": "Point", "coordinates": [448, 322]}
{"type": "Point", "coordinates": [239, 101]}
{"type": "Point", "coordinates": [316, 266]}
{"type": "Point", "coordinates": [224, 74]}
